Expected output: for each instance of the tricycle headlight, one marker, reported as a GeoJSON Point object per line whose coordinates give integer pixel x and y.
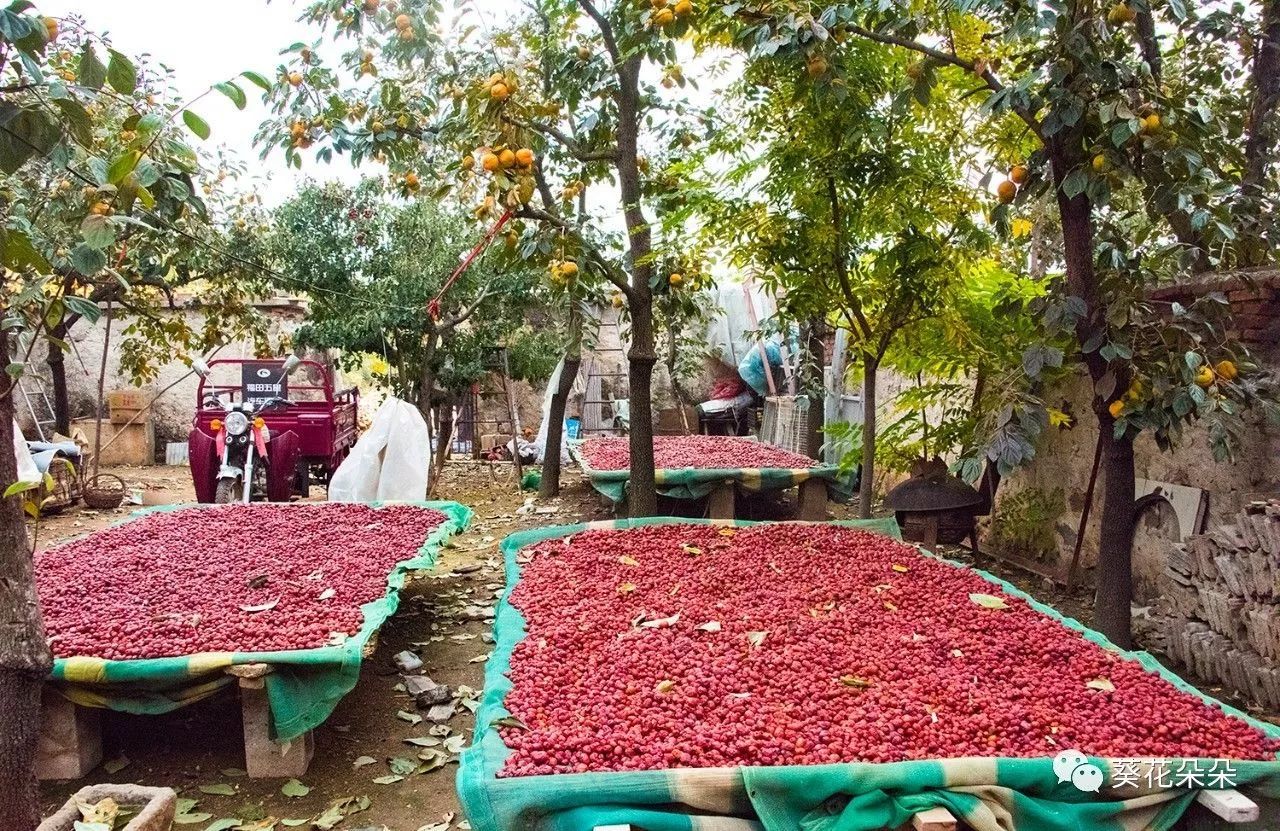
{"type": "Point", "coordinates": [237, 423]}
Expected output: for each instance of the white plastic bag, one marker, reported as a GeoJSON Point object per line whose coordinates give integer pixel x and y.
{"type": "Point", "coordinates": [27, 470]}
{"type": "Point", "coordinates": [391, 461]}
{"type": "Point", "coordinates": [541, 441]}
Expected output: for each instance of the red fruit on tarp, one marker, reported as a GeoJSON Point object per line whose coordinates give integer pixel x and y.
{"type": "Point", "coordinates": [821, 651]}
{"type": "Point", "coordinates": [702, 452]}
{"type": "Point", "coordinates": [234, 578]}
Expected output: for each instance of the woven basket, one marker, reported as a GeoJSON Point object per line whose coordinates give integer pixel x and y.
{"type": "Point", "coordinates": [104, 491]}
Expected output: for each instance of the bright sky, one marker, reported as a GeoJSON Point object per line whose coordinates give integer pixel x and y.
{"type": "Point", "coordinates": [204, 42]}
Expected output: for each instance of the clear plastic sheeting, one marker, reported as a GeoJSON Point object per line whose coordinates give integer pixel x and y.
{"type": "Point", "coordinates": [390, 462]}
{"type": "Point", "coordinates": [27, 470]}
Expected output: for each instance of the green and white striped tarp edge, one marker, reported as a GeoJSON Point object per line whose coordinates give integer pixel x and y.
{"type": "Point", "coordinates": [304, 687]}
{"type": "Point", "coordinates": [988, 794]}
{"type": "Point", "coordinates": [694, 483]}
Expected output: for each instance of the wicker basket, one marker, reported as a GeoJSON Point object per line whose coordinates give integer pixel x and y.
{"type": "Point", "coordinates": [104, 491]}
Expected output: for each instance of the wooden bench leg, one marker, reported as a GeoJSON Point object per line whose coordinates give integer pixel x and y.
{"type": "Point", "coordinates": [264, 758]}
{"type": "Point", "coordinates": [720, 502]}
{"type": "Point", "coordinates": [70, 738]}
{"type": "Point", "coordinates": [812, 499]}
{"type": "Point", "coordinates": [934, 819]}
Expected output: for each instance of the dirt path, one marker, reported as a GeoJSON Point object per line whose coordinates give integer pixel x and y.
{"type": "Point", "coordinates": [201, 745]}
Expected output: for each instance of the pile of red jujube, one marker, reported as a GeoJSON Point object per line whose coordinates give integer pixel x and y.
{"type": "Point", "coordinates": [783, 644]}
{"type": "Point", "coordinates": [242, 578]}
{"type": "Point", "coordinates": [704, 452]}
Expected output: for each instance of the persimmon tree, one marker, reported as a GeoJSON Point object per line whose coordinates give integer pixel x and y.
{"type": "Point", "coordinates": [1127, 119]}
{"type": "Point", "coordinates": [100, 198]}
{"type": "Point", "coordinates": [852, 206]}
{"type": "Point", "coordinates": [521, 118]}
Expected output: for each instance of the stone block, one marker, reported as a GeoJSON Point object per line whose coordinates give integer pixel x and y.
{"type": "Point", "coordinates": [70, 742]}
{"type": "Point", "coordinates": [264, 758]}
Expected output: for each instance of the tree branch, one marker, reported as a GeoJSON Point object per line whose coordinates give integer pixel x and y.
{"type": "Point", "coordinates": [986, 75]}
{"type": "Point", "coordinates": [606, 30]}
{"type": "Point", "coordinates": [565, 141]}
{"type": "Point", "coordinates": [611, 273]}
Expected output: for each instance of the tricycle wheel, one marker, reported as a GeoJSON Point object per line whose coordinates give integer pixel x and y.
{"type": "Point", "coordinates": [302, 479]}
{"type": "Point", "coordinates": [229, 492]}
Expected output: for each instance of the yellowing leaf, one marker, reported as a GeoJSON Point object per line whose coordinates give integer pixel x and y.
{"type": "Point", "coordinates": [628, 561]}
{"type": "Point", "coordinates": [665, 687]}
{"type": "Point", "coordinates": [727, 532]}
{"type": "Point", "coordinates": [1101, 684]}
{"type": "Point", "coordinates": [361, 761]}
{"type": "Point", "coordinates": [855, 681]}
{"type": "Point", "coordinates": [756, 638]}
{"type": "Point", "coordinates": [709, 626]}
{"type": "Point", "coordinates": [1020, 227]}
{"type": "Point", "coordinates": [988, 601]}
{"type": "Point", "coordinates": [893, 607]}
{"type": "Point", "coordinates": [626, 588]}
{"type": "Point", "coordinates": [1058, 418]}
{"type": "Point", "coordinates": [900, 569]}
{"type": "Point", "coordinates": [691, 550]}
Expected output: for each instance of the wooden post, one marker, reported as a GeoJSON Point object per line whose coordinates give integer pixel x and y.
{"type": "Point", "coordinates": [811, 502]}
{"type": "Point", "coordinates": [515, 418]}
{"type": "Point", "coordinates": [930, 541]}
{"type": "Point", "coordinates": [1230, 805]}
{"type": "Point", "coordinates": [264, 758]}
{"type": "Point", "coordinates": [720, 501]}
{"type": "Point", "coordinates": [70, 737]}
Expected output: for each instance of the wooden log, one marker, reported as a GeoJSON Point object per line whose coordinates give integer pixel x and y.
{"type": "Point", "coordinates": [1230, 805]}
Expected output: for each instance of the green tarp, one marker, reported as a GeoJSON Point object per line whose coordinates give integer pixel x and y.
{"type": "Point", "coordinates": [304, 687]}
{"type": "Point", "coordinates": [694, 483]}
{"type": "Point", "coordinates": [988, 794]}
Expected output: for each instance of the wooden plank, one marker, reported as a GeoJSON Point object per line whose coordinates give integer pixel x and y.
{"type": "Point", "coordinates": [812, 500]}
{"type": "Point", "coordinates": [934, 819]}
{"type": "Point", "coordinates": [1230, 805]}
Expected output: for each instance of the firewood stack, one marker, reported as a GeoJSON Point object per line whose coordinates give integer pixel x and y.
{"type": "Point", "coordinates": [1220, 604]}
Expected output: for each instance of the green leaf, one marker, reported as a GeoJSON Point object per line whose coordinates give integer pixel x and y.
{"type": "Point", "coordinates": [192, 819]}
{"type": "Point", "coordinates": [293, 823]}
{"type": "Point", "coordinates": [233, 92]}
{"type": "Point", "coordinates": [196, 124]}
{"type": "Point", "coordinates": [225, 824]}
{"type": "Point", "coordinates": [98, 232]}
{"type": "Point", "coordinates": [294, 789]}
{"type": "Point", "coordinates": [988, 601]}
{"type": "Point", "coordinates": [149, 123]}
{"type": "Point", "coordinates": [91, 73]}
{"type": "Point", "coordinates": [218, 789]}
{"type": "Point", "coordinates": [258, 80]}
{"type": "Point", "coordinates": [19, 487]}
{"type": "Point", "coordinates": [121, 73]}
{"type": "Point", "coordinates": [88, 261]}
{"type": "Point", "coordinates": [120, 763]}
{"type": "Point", "coordinates": [18, 253]}
{"type": "Point", "coordinates": [123, 166]}
{"type": "Point", "coordinates": [387, 780]}
{"type": "Point", "coordinates": [28, 133]}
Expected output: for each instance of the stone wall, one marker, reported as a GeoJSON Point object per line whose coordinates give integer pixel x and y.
{"type": "Point", "coordinates": [171, 413]}
{"type": "Point", "coordinates": [1219, 611]}
{"type": "Point", "coordinates": [1056, 481]}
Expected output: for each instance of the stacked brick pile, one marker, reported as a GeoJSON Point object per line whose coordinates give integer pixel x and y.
{"type": "Point", "coordinates": [1221, 604]}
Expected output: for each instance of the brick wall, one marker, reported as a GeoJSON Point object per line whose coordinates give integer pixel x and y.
{"type": "Point", "coordinates": [1254, 297]}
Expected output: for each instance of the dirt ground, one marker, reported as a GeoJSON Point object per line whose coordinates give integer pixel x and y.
{"type": "Point", "coordinates": [200, 745]}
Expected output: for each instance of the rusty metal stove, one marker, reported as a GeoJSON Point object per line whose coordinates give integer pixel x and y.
{"type": "Point", "coordinates": [935, 507]}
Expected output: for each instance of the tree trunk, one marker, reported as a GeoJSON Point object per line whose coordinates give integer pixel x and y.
{"type": "Point", "coordinates": [57, 364]}
{"type": "Point", "coordinates": [643, 497]}
{"type": "Point", "coordinates": [445, 439]}
{"type": "Point", "coordinates": [24, 653]}
{"type": "Point", "coordinates": [868, 474]}
{"type": "Point", "coordinates": [550, 485]}
{"type": "Point", "coordinates": [1115, 552]}
{"type": "Point", "coordinates": [814, 389]}
{"type": "Point", "coordinates": [1115, 566]}
{"type": "Point", "coordinates": [1260, 136]}
{"type": "Point", "coordinates": [641, 357]}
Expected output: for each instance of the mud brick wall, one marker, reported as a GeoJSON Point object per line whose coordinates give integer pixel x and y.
{"type": "Point", "coordinates": [1220, 606]}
